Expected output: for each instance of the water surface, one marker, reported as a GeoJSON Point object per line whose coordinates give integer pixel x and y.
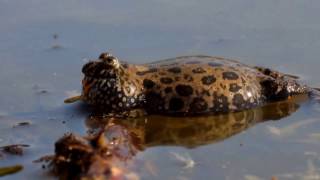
{"type": "Point", "coordinates": [43, 45]}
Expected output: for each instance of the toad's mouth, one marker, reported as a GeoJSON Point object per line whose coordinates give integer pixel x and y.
{"type": "Point", "coordinates": [87, 83]}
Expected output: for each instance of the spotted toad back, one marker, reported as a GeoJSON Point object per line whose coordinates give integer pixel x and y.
{"type": "Point", "coordinates": [187, 85]}
{"type": "Point", "coordinates": [200, 84]}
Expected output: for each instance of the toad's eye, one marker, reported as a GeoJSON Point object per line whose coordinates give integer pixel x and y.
{"type": "Point", "coordinates": [106, 56]}
{"type": "Point", "coordinates": [109, 59]}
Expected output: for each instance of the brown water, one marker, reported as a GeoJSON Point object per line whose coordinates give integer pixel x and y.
{"type": "Point", "coordinates": [43, 45]}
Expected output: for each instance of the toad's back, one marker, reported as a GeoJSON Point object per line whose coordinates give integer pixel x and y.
{"type": "Point", "coordinates": [199, 84]}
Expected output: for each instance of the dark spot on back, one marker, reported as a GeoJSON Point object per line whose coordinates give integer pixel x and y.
{"type": "Point", "coordinates": [234, 87]}
{"type": "Point", "coordinates": [176, 104]}
{"type": "Point", "coordinates": [148, 84]}
{"type": "Point", "coordinates": [166, 80]}
{"type": "Point", "coordinates": [207, 80]}
{"type": "Point", "coordinates": [198, 70]}
{"type": "Point", "coordinates": [175, 70]}
{"type": "Point", "coordinates": [177, 78]}
{"type": "Point", "coordinates": [229, 75]}
{"type": "Point", "coordinates": [214, 64]}
{"type": "Point", "coordinates": [220, 103]}
{"type": "Point", "coordinates": [152, 70]}
{"type": "Point", "coordinates": [239, 101]}
{"type": "Point", "coordinates": [153, 102]}
{"type": "Point", "coordinates": [168, 90]}
{"type": "Point", "coordinates": [198, 105]}
{"type": "Point", "coordinates": [184, 90]}
{"type": "Point", "coordinates": [272, 91]}
{"type": "Point", "coordinates": [125, 66]}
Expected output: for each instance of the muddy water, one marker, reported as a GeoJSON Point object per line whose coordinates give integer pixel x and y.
{"type": "Point", "coordinates": [43, 45]}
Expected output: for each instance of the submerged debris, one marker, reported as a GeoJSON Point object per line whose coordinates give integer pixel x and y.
{"type": "Point", "coordinates": [10, 170]}
{"type": "Point", "coordinates": [15, 149]}
{"type": "Point", "coordinates": [56, 45]}
{"type": "Point", "coordinates": [40, 90]}
{"type": "Point", "coordinates": [24, 123]}
{"type": "Point", "coordinates": [99, 156]}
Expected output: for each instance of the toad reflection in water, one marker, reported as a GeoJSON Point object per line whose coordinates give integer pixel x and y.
{"type": "Point", "coordinates": [195, 131]}
{"type": "Point", "coordinates": [112, 143]}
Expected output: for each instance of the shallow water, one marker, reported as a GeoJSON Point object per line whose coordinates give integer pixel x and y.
{"type": "Point", "coordinates": [43, 45]}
